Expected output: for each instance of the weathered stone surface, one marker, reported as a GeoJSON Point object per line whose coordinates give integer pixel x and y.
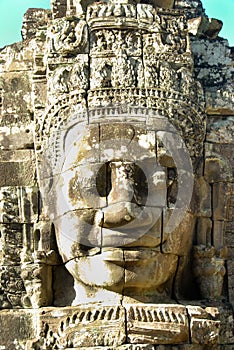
{"type": "Point", "coordinates": [214, 74]}
{"type": "Point", "coordinates": [122, 347]}
{"type": "Point", "coordinates": [174, 240]}
{"type": "Point", "coordinates": [218, 230]}
{"type": "Point", "coordinates": [18, 205]}
{"type": "Point", "coordinates": [148, 347]}
{"type": "Point", "coordinates": [226, 335]}
{"type": "Point", "coordinates": [11, 243]}
{"type": "Point", "coordinates": [11, 287]}
{"type": "Point", "coordinates": [203, 331]}
{"type": "Point", "coordinates": [19, 326]}
{"type": "Point", "coordinates": [164, 3]}
{"type": "Point", "coordinates": [204, 228]}
{"type": "Point", "coordinates": [220, 129]}
{"type": "Point", "coordinates": [216, 170]}
{"type": "Point", "coordinates": [157, 325]}
{"type": "Point", "coordinates": [32, 20]}
{"type": "Point", "coordinates": [83, 326]}
{"type": "Point", "coordinates": [17, 168]}
{"type": "Point", "coordinates": [230, 266]}
{"type": "Point", "coordinates": [16, 138]}
{"type": "Point", "coordinates": [201, 201]}
{"type": "Point", "coordinates": [205, 27]}
{"type": "Point", "coordinates": [219, 197]}
{"type": "Point", "coordinates": [116, 186]}
{"type": "Point", "coordinates": [209, 271]}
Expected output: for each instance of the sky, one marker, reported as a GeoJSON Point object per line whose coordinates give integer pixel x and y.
{"type": "Point", "coordinates": [12, 11]}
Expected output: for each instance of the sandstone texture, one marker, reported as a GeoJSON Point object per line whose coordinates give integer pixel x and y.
{"type": "Point", "coordinates": [116, 179]}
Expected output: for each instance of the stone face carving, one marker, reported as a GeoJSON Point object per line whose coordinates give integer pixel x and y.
{"type": "Point", "coordinates": [68, 37]}
{"type": "Point", "coordinates": [116, 186]}
{"type": "Point", "coordinates": [94, 223]}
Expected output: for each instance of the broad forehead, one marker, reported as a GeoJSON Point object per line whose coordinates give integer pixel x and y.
{"type": "Point", "coordinates": [103, 142]}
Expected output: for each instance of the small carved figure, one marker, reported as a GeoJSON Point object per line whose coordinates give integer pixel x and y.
{"type": "Point", "coordinates": [78, 78]}
{"type": "Point", "coordinates": [209, 270]}
{"type": "Point", "coordinates": [123, 72]}
{"type": "Point", "coordinates": [110, 40]}
{"type": "Point", "coordinates": [60, 80]}
{"type": "Point", "coordinates": [166, 76]}
{"type": "Point", "coordinates": [101, 75]}
{"type": "Point", "coordinates": [151, 75]}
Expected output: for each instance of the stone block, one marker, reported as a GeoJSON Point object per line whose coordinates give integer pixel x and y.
{"type": "Point", "coordinates": [204, 227]}
{"type": "Point", "coordinates": [171, 149]}
{"type": "Point", "coordinates": [147, 347]}
{"type": "Point", "coordinates": [204, 325]}
{"type": "Point", "coordinates": [201, 200]}
{"type": "Point", "coordinates": [40, 94]}
{"type": "Point", "coordinates": [82, 145]}
{"type": "Point", "coordinates": [228, 233]}
{"type": "Point", "coordinates": [17, 99]}
{"type": "Point", "coordinates": [75, 228]}
{"type": "Point", "coordinates": [83, 327]}
{"type": "Point", "coordinates": [81, 187]}
{"type": "Point", "coordinates": [218, 234]}
{"type": "Point", "coordinates": [203, 26]}
{"type": "Point", "coordinates": [184, 347]}
{"type": "Point", "coordinates": [230, 251]}
{"type": "Point", "coordinates": [17, 327]}
{"type": "Point", "coordinates": [226, 335]}
{"type": "Point", "coordinates": [164, 3]}
{"type": "Point", "coordinates": [122, 347]}
{"type": "Point", "coordinates": [221, 130]}
{"type": "Point", "coordinates": [222, 150]}
{"type": "Point", "coordinates": [219, 162]}
{"type": "Point", "coordinates": [14, 156]}
{"type": "Point", "coordinates": [178, 228]}
{"type": "Point", "coordinates": [17, 58]}
{"type": "Point", "coordinates": [230, 269]}
{"type": "Point", "coordinates": [216, 170]}
{"type": "Point", "coordinates": [230, 205]}
{"type": "Point", "coordinates": [11, 287]}
{"type": "Point", "coordinates": [161, 324]}
{"type": "Point", "coordinates": [11, 242]}
{"type": "Point", "coordinates": [33, 19]}
{"type": "Point", "coordinates": [18, 204]}
{"type": "Point", "coordinates": [127, 142]}
{"type": "Point", "coordinates": [19, 170]}
{"type": "Point", "coordinates": [59, 8]}
{"type": "Point", "coordinates": [16, 138]}
{"type": "Point", "coordinates": [124, 54]}
{"type": "Point", "coordinates": [219, 200]}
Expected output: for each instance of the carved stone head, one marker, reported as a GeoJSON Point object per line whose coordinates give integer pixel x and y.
{"type": "Point", "coordinates": [119, 200]}
{"type": "Point", "coordinates": [125, 128]}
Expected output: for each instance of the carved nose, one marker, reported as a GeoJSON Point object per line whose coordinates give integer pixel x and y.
{"type": "Point", "coordinates": [122, 182]}
{"type": "Point", "coordinates": [120, 210]}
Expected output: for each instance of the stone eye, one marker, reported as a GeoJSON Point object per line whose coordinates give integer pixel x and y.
{"type": "Point", "coordinates": [103, 180]}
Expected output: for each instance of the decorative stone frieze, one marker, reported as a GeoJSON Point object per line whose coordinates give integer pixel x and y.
{"type": "Point", "coordinates": [116, 179]}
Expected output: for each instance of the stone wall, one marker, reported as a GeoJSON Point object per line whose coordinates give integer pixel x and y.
{"type": "Point", "coordinates": [152, 80]}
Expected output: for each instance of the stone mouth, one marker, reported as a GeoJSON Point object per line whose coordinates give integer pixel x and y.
{"type": "Point", "coordinates": [122, 254]}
